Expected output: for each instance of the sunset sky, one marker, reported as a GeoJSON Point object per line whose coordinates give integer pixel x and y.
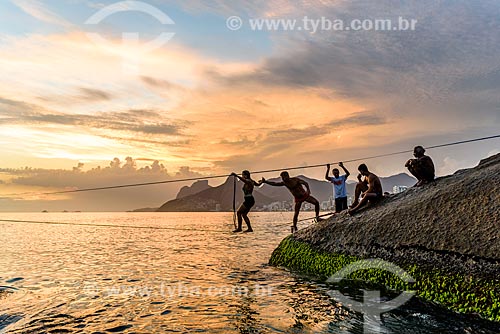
{"type": "Point", "coordinates": [75, 113]}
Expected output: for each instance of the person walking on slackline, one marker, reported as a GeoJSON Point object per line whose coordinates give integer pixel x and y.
{"type": "Point", "coordinates": [301, 195]}
{"type": "Point", "coordinates": [248, 200]}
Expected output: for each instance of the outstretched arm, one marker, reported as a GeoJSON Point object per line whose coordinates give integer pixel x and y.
{"type": "Point", "coordinates": [236, 175]}
{"type": "Point", "coordinates": [239, 177]}
{"type": "Point", "coordinates": [271, 183]}
{"type": "Point", "coordinates": [341, 164]}
{"type": "Point", "coordinates": [327, 172]}
{"type": "Point", "coordinates": [244, 180]}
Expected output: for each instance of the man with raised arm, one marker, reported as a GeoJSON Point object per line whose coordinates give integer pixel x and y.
{"type": "Point", "coordinates": [371, 188]}
{"type": "Point", "coordinates": [339, 186]}
{"type": "Point", "coordinates": [422, 167]}
{"type": "Point", "coordinates": [296, 187]}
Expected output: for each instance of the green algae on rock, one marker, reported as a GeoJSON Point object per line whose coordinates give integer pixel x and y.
{"type": "Point", "coordinates": [444, 235]}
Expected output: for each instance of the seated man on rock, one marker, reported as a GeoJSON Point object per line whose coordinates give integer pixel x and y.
{"type": "Point", "coordinates": [422, 167]}
{"type": "Point", "coordinates": [370, 188]}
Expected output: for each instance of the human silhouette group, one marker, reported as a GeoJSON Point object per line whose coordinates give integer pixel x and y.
{"type": "Point", "coordinates": [368, 189]}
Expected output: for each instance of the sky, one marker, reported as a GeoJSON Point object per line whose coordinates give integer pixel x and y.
{"type": "Point", "coordinates": [79, 111]}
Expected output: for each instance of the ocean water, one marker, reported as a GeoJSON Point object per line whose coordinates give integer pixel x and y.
{"type": "Point", "coordinates": [188, 273]}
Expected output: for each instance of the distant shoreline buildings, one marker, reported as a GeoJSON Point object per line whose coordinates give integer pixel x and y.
{"type": "Point", "coordinates": [399, 189]}
{"type": "Point", "coordinates": [328, 205]}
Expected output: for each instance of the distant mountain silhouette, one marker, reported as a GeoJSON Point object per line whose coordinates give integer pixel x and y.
{"type": "Point", "coordinates": [208, 199]}
{"type": "Point", "coordinates": [145, 210]}
{"type": "Point", "coordinates": [193, 189]}
{"type": "Point", "coordinates": [402, 179]}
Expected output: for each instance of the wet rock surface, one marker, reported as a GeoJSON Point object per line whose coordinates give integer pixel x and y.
{"type": "Point", "coordinates": [450, 225]}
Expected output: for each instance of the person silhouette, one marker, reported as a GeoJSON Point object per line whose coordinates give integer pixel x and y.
{"type": "Point", "coordinates": [248, 200]}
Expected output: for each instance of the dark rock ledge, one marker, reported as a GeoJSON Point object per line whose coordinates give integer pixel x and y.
{"type": "Point", "coordinates": [445, 234]}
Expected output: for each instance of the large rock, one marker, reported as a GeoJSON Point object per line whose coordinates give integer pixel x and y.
{"type": "Point", "coordinates": [456, 214]}
{"type": "Point", "coordinates": [444, 232]}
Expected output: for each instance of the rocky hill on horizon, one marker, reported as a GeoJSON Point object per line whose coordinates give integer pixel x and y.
{"type": "Point", "coordinates": [195, 188]}
{"type": "Point", "coordinates": [212, 198]}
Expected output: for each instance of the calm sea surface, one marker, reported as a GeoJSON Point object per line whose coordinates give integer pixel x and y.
{"type": "Point", "coordinates": [95, 279]}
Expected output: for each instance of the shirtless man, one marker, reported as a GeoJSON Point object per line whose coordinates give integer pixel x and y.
{"type": "Point", "coordinates": [422, 167]}
{"type": "Point", "coordinates": [361, 187]}
{"type": "Point", "coordinates": [295, 185]}
{"type": "Point", "coordinates": [371, 189]}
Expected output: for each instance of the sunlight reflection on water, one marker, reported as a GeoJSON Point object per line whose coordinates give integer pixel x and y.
{"type": "Point", "coordinates": [101, 279]}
